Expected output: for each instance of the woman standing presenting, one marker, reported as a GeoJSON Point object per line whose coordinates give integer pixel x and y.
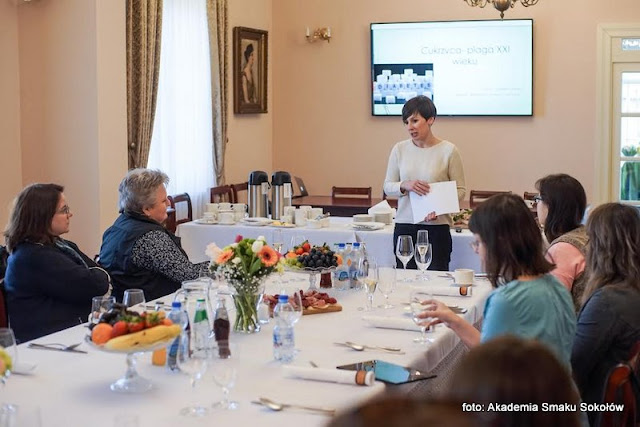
{"type": "Point", "coordinates": [413, 164]}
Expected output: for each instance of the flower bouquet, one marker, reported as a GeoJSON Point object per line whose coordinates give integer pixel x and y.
{"type": "Point", "coordinates": [245, 264]}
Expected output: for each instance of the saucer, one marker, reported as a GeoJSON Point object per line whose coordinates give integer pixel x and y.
{"type": "Point", "coordinates": [227, 223]}
{"type": "Point", "coordinates": [205, 221]}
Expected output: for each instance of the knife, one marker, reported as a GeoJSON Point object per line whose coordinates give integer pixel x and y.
{"type": "Point", "coordinates": [46, 347]}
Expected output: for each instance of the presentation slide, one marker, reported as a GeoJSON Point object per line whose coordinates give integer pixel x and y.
{"type": "Point", "coordinates": [472, 68]}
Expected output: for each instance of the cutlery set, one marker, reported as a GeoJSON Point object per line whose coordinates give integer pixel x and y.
{"type": "Point", "coordinates": [360, 347]}
{"type": "Point", "coordinates": [57, 347]}
{"type": "Point", "coordinates": [276, 406]}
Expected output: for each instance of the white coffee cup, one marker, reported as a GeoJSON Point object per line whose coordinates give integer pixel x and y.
{"type": "Point", "coordinates": [290, 210]}
{"type": "Point", "coordinates": [224, 206]}
{"type": "Point", "coordinates": [239, 215]}
{"type": "Point", "coordinates": [287, 219]}
{"type": "Point", "coordinates": [306, 209]}
{"type": "Point", "coordinates": [226, 217]}
{"type": "Point", "coordinates": [315, 213]}
{"type": "Point", "coordinates": [314, 223]}
{"type": "Point", "coordinates": [301, 217]}
{"type": "Point", "coordinates": [239, 207]}
{"type": "Point", "coordinates": [212, 207]}
{"type": "Point", "coordinates": [463, 276]}
{"type": "Point", "coordinates": [209, 216]}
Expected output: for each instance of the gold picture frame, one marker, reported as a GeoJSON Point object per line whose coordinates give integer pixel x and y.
{"type": "Point", "coordinates": [249, 70]}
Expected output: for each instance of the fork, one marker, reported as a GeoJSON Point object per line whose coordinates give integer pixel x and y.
{"type": "Point", "coordinates": [57, 346]}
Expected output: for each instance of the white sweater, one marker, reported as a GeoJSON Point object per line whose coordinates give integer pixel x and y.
{"type": "Point", "coordinates": [441, 162]}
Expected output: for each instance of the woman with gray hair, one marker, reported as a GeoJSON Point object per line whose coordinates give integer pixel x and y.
{"type": "Point", "coordinates": [137, 250]}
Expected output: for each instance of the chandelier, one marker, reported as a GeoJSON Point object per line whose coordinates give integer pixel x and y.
{"type": "Point", "coordinates": [501, 5]}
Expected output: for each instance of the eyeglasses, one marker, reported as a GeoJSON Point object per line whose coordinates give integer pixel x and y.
{"type": "Point", "coordinates": [65, 210]}
{"type": "Point", "coordinates": [537, 199]}
{"type": "Point", "coordinates": [475, 245]}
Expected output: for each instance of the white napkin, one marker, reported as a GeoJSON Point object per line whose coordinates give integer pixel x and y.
{"type": "Point", "coordinates": [391, 323]}
{"type": "Point", "coordinates": [330, 375]}
{"type": "Point", "coordinates": [382, 207]}
{"type": "Point", "coordinates": [451, 291]}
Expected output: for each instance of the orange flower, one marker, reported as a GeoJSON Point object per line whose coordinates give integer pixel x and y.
{"type": "Point", "coordinates": [268, 256]}
{"type": "Point", "coordinates": [225, 256]}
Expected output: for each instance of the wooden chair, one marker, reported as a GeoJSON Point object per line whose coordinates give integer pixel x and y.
{"type": "Point", "coordinates": [351, 192]}
{"type": "Point", "coordinates": [476, 197]}
{"type": "Point", "coordinates": [619, 391]}
{"type": "Point", "coordinates": [532, 198]}
{"type": "Point", "coordinates": [237, 188]}
{"type": "Point", "coordinates": [222, 193]}
{"type": "Point", "coordinates": [299, 188]}
{"type": "Point", "coordinates": [181, 198]}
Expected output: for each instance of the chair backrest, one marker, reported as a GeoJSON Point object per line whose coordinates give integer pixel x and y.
{"type": "Point", "coordinates": [393, 202]}
{"type": "Point", "coordinates": [222, 193]}
{"type": "Point", "coordinates": [478, 196]}
{"type": "Point", "coordinates": [351, 191]}
{"type": "Point", "coordinates": [619, 390]}
{"type": "Point", "coordinates": [237, 188]}
{"type": "Point", "coordinates": [181, 198]}
{"type": "Point", "coordinates": [300, 189]}
{"type": "Point", "coordinates": [531, 197]}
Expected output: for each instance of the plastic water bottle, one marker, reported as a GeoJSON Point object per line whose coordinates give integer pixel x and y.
{"type": "Point", "coordinates": [179, 317]}
{"type": "Point", "coordinates": [201, 328]}
{"type": "Point", "coordinates": [342, 281]}
{"type": "Point", "coordinates": [283, 338]}
{"type": "Point", "coordinates": [356, 256]}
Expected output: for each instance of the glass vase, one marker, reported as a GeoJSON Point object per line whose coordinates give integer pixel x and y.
{"type": "Point", "coordinates": [246, 298]}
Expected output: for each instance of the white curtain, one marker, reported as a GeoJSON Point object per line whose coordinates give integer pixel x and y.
{"type": "Point", "coordinates": [182, 140]}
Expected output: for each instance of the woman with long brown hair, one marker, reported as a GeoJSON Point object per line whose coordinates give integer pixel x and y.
{"type": "Point", "coordinates": [609, 322]}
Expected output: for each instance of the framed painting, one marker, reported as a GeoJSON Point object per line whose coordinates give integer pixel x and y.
{"type": "Point", "coordinates": [249, 70]}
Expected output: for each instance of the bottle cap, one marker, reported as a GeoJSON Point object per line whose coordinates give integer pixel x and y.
{"type": "Point", "coordinates": [356, 245]}
{"type": "Point", "coordinates": [342, 245]}
{"type": "Point", "coordinates": [283, 298]}
{"type": "Point", "coordinates": [176, 304]}
{"type": "Point", "coordinates": [200, 300]}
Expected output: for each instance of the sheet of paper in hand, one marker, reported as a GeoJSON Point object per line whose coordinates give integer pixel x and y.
{"type": "Point", "coordinates": [441, 199]}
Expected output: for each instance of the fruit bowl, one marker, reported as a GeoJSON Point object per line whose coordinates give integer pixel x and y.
{"type": "Point", "coordinates": [131, 382]}
{"type": "Point", "coordinates": [312, 272]}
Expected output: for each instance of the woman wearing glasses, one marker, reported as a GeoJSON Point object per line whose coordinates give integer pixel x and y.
{"type": "Point", "coordinates": [561, 205]}
{"type": "Point", "coordinates": [413, 164]}
{"type": "Point", "coordinates": [49, 281]}
{"type": "Point", "coordinates": [527, 301]}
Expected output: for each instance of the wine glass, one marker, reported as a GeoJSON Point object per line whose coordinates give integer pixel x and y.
{"type": "Point", "coordinates": [8, 344]}
{"type": "Point", "coordinates": [100, 305]}
{"type": "Point", "coordinates": [387, 283]}
{"type": "Point", "coordinates": [277, 242]}
{"type": "Point", "coordinates": [224, 369]}
{"type": "Point", "coordinates": [404, 252]}
{"type": "Point", "coordinates": [194, 364]}
{"type": "Point", "coordinates": [416, 299]}
{"type": "Point", "coordinates": [423, 257]}
{"type": "Point", "coordinates": [368, 275]}
{"type": "Point", "coordinates": [132, 297]}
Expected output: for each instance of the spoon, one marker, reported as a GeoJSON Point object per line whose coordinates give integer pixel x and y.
{"type": "Point", "coordinates": [359, 347]}
{"type": "Point", "coordinates": [275, 406]}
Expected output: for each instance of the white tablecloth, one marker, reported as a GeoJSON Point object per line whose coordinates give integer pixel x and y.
{"type": "Point", "coordinates": [73, 389]}
{"type": "Point", "coordinates": [379, 243]}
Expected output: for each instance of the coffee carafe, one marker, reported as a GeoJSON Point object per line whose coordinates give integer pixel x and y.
{"type": "Point", "coordinates": [281, 193]}
{"type": "Point", "coordinates": [258, 199]}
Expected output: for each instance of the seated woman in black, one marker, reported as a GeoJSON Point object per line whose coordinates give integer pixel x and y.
{"type": "Point", "coordinates": [137, 250]}
{"type": "Point", "coordinates": [49, 281]}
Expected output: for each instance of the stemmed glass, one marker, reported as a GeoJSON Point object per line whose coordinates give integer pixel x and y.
{"type": "Point", "coordinates": [224, 367]}
{"type": "Point", "coordinates": [100, 305]}
{"type": "Point", "coordinates": [387, 284]}
{"type": "Point", "coordinates": [368, 275]}
{"type": "Point", "coordinates": [194, 364]}
{"type": "Point", "coordinates": [416, 299]}
{"type": "Point", "coordinates": [133, 297]}
{"type": "Point", "coordinates": [277, 242]}
{"type": "Point", "coordinates": [8, 344]}
{"type": "Point", "coordinates": [404, 252]}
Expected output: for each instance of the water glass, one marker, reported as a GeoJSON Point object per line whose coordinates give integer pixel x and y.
{"type": "Point", "coordinates": [368, 275]}
{"type": "Point", "coordinates": [8, 343]}
{"type": "Point", "coordinates": [423, 257]}
{"type": "Point", "coordinates": [296, 301]}
{"type": "Point", "coordinates": [133, 297]}
{"type": "Point", "coordinates": [277, 242]}
{"type": "Point", "coordinates": [223, 359]}
{"type": "Point", "coordinates": [100, 305]}
{"type": "Point", "coordinates": [404, 252]}
{"type": "Point", "coordinates": [416, 300]}
{"type": "Point", "coordinates": [194, 364]}
{"type": "Point", "coordinates": [20, 415]}
{"type": "Point", "coordinates": [387, 284]}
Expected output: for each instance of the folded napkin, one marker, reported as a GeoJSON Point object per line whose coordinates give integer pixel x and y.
{"type": "Point", "coordinates": [331, 375]}
{"type": "Point", "coordinates": [382, 207]}
{"type": "Point", "coordinates": [391, 323]}
{"type": "Point", "coordinates": [451, 291]}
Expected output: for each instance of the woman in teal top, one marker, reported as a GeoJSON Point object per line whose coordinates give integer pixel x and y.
{"type": "Point", "coordinates": [528, 301]}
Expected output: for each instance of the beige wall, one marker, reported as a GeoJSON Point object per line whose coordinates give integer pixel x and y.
{"type": "Point", "coordinates": [322, 106]}
{"type": "Point", "coordinates": [250, 135]}
{"type": "Point", "coordinates": [73, 106]}
{"type": "Point", "coordinates": [10, 165]}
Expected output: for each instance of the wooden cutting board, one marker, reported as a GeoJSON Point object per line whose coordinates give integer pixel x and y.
{"type": "Point", "coordinates": [329, 308]}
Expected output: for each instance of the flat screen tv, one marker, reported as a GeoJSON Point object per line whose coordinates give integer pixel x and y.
{"type": "Point", "coordinates": [468, 68]}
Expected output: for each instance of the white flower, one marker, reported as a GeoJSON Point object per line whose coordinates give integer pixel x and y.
{"type": "Point", "coordinates": [257, 245]}
{"type": "Point", "coordinates": [213, 251]}
{"type": "Point", "coordinates": [233, 245]}
{"type": "Point", "coordinates": [262, 238]}
{"type": "Point", "coordinates": [236, 260]}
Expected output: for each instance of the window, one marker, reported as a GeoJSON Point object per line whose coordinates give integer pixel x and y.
{"type": "Point", "coordinates": [182, 141]}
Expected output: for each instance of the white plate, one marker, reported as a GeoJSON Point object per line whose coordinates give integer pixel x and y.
{"type": "Point", "coordinates": [257, 221]}
{"type": "Point", "coordinates": [367, 226]}
{"type": "Point", "coordinates": [205, 221]}
{"type": "Point", "coordinates": [227, 223]}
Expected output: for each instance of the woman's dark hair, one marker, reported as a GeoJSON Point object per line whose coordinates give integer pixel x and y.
{"type": "Point", "coordinates": [508, 370]}
{"type": "Point", "coordinates": [613, 251]}
{"type": "Point", "coordinates": [566, 202]}
{"type": "Point", "coordinates": [422, 105]}
{"type": "Point", "coordinates": [511, 237]}
{"type": "Point", "coordinates": [31, 216]}
{"type": "Point", "coordinates": [248, 51]}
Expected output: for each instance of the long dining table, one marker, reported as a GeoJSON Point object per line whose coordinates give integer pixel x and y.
{"type": "Point", "coordinates": [72, 389]}
{"type": "Point", "coordinates": [379, 243]}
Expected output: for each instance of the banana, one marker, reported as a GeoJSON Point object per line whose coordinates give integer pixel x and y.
{"type": "Point", "coordinates": [144, 338]}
